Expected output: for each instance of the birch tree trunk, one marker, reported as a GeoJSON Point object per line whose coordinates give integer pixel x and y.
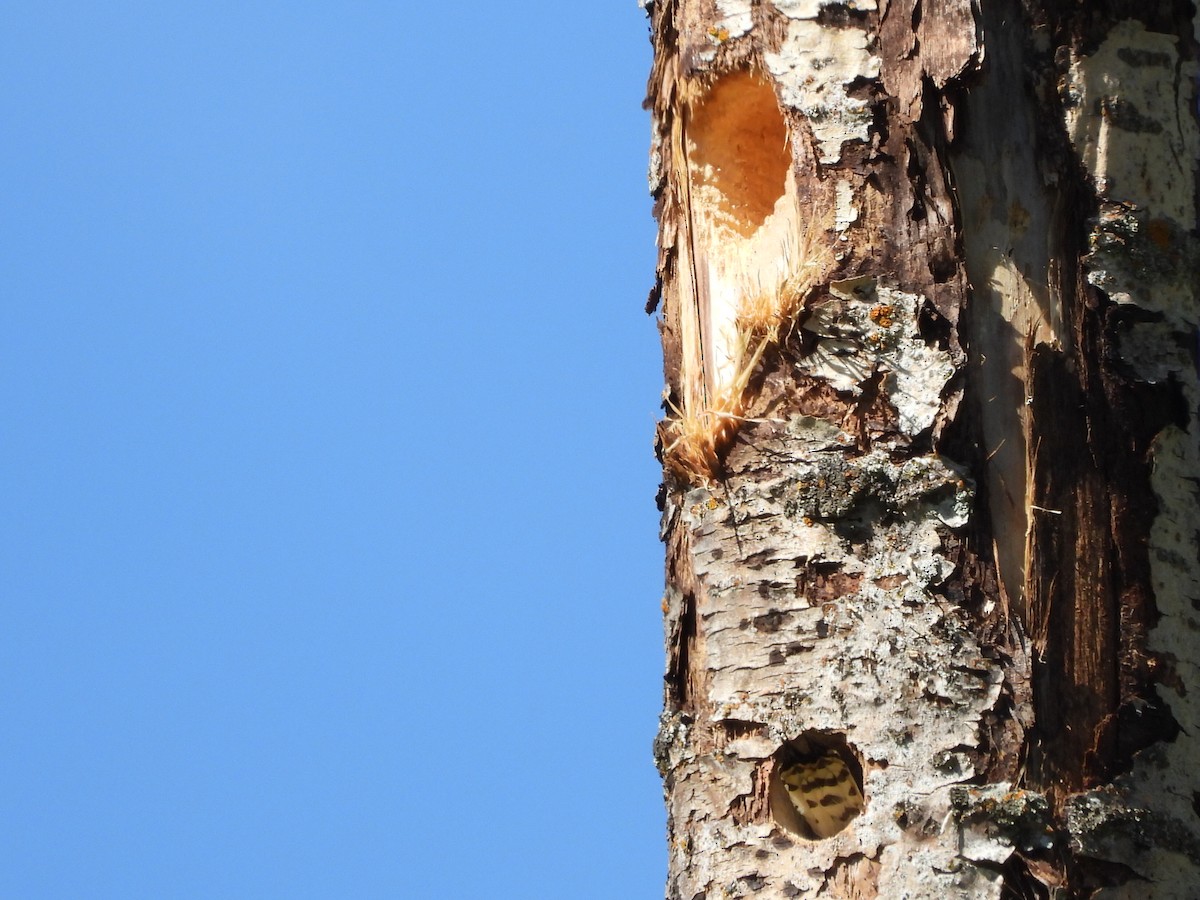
{"type": "Point", "coordinates": [928, 274]}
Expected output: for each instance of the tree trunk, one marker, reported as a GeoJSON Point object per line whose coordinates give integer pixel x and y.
{"type": "Point", "coordinates": [928, 272]}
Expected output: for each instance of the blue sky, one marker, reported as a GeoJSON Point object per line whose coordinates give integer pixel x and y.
{"type": "Point", "coordinates": [329, 562]}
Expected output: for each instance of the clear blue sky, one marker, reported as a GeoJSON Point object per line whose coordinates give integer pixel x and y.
{"type": "Point", "coordinates": [329, 563]}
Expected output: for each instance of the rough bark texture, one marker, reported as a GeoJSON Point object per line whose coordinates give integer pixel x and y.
{"type": "Point", "coordinates": [928, 280]}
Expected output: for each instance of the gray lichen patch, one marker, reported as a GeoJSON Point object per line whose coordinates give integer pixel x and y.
{"type": "Point", "coordinates": [670, 742]}
{"type": "Point", "coordinates": [996, 818]}
{"type": "Point", "coordinates": [870, 516]}
{"type": "Point", "coordinates": [864, 328]}
{"type": "Point", "coordinates": [814, 68]}
{"type": "Point", "coordinates": [1144, 260]}
{"type": "Point", "coordinates": [857, 492]}
{"type": "Point", "coordinates": [1105, 824]}
{"type": "Point", "coordinates": [736, 17]}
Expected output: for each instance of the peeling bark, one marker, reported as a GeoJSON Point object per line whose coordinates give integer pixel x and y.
{"type": "Point", "coordinates": [928, 274]}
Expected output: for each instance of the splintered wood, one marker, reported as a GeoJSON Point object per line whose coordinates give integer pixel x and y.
{"type": "Point", "coordinates": [746, 262]}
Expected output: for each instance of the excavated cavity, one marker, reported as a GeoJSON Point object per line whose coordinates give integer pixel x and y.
{"type": "Point", "coordinates": [739, 152]}
{"type": "Point", "coordinates": [816, 786]}
{"type": "Point", "coordinates": [750, 255]}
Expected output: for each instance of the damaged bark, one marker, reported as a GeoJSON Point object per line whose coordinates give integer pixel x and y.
{"type": "Point", "coordinates": [928, 274]}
